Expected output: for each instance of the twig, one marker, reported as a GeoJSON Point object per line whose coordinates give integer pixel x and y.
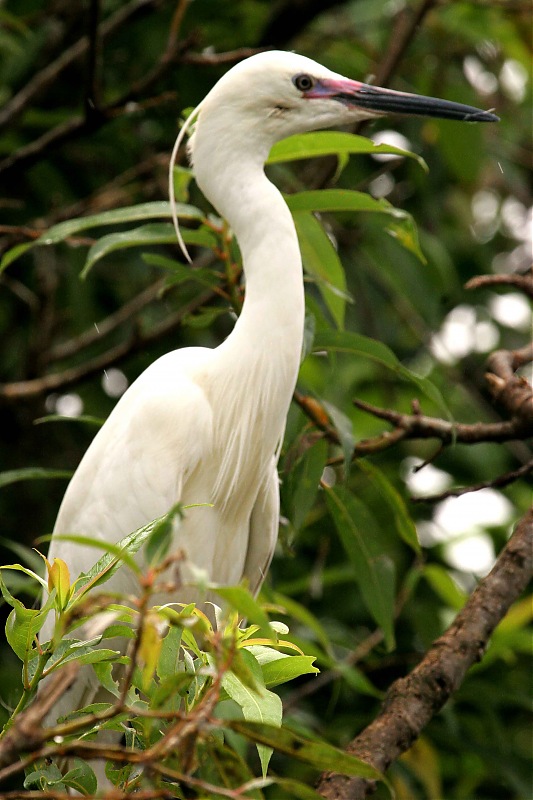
{"type": "Point", "coordinates": [107, 325]}
{"type": "Point", "coordinates": [26, 731]}
{"type": "Point", "coordinates": [406, 26]}
{"type": "Point", "coordinates": [413, 701]}
{"type": "Point", "coordinates": [92, 89]}
{"type": "Point", "coordinates": [523, 282]}
{"type": "Point", "coordinates": [114, 794]}
{"type": "Point", "coordinates": [78, 125]}
{"type": "Point", "coordinates": [419, 426]}
{"type": "Point", "coordinates": [40, 82]}
{"type": "Point", "coordinates": [405, 29]}
{"type": "Point", "coordinates": [60, 380]}
{"type": "Point", "coordinates": [495, 483]}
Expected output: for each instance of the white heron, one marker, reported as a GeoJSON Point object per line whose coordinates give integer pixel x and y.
{"type": "Point", "coordinates": [205, 425]}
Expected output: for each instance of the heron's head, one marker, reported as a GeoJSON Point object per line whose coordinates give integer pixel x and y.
{"type": "Point", "coordinates": [275, 94]}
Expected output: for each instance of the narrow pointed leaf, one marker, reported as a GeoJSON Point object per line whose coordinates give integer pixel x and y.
{"type": "Point", "coordinates": [343, 426]}
{"type": "Point", "coordinates": [32, 474]}
{"type": "Point", "coordinates": [117, 216]}
{"type": "Point", "coordinates": [146, 235]}
{"type": "Point", "coordinates": [359, 345]}
{"type": "Point", "coordinates": [72, 227]}
{"type": "Point", "coordinates": [304, 482]}
{"type": "Point", "coordinates": [257, 704]}
{"type": "Point", "coordinates": [374, 569]}
{"type": "Point", "coordinates": [322, 262]}
{"type": "Point", "coordinates": [320, 755]}
{"type": "Point", "coordinates": [404, 523]}
{"type": "Point", "coordinates": [241, 599]}
{"type": "Point", "coordinates": [330, 143]}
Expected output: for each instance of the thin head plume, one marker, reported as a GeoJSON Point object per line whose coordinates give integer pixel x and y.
{"type": "Point", "coordinates": [186, 125]}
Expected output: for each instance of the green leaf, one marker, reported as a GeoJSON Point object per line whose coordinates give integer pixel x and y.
{"type": "Point", "coordinates": [22, 624]}
{"type": "Point", "coordinates": [304, 482]}
{"type": "Point", "coordinates": [71, 227]}
{"type": "Point", "coordinates": [203, 318]}
{"type": "Point", "coordinates": [81, 778]}
{"type": "Point", "coordinates": [293, 788]}
{"type": "Point", "coordinates": [32, 474]}
{"type": "Point", "coordinates": [27, 571]}
{"type": "Point", "coordinates": [117, 554]}
{"type": "Point", "coordinates": [111, 549]}
{"type": "Point", "coordinates": [321, 261]}
{"type": "Point", "coordinates": [14, 253]}
{"type": "Point", "coordinates": [160, 538]}
{"type": "Point", "coordinates": [169, 657]}
{"type": "Point", "coordinates": [85, 419]}
{"type": "Point", "coordinates": [117, 216]}
{"type": "Point", "coordinates": [240, 599]}
{"type": "Point", "coordinates": [323, 200]}
{"type": "Point", "coordinates": [444, 585]}
{"type": "Point", "coordinates": [404, 522]}
{"type": "Point", "coordinates": [104, 673]}
{"type": "Point", "coordinates": [180, 273]}
{"type": "Point", "coordinates": [181, 177]}
{"type": "Point", "coordinates": [343, 426]}
{"type": "Point", "coordinates": [374, 569]}
{"type": "Point", "coordinates": [359, 345]}
{"type": "Point", "coordinates": [146, 235]}
{"type": "Point", "coordinates": [82, 652]}
{"type": "Point", "coordinates": [406, 233]}
{"type": "Point", "coordinates": [401, 226]}
{"type": "Point", "coordinates": [258, 705]}
{"type": "Point", "coordinates": [319, 754]}
{"type": "Point", "coordinates": [330, 143]}
{"type": "Point", "coordinates": [44, 778]}
{"type": "Point", "coordinates": [287, 668]}
{"type": "Point", "coordinates": [303, 615]}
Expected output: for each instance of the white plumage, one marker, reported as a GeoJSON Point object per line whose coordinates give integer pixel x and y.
{"type": "Point", "coordinates": [205, 426]}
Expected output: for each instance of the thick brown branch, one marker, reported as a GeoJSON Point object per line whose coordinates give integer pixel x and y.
{"type": "Point", "coordinates": [413, 701]}
{"type": "Point", "coordinates": [512, 392]}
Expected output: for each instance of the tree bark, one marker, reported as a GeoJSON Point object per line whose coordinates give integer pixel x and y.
{"type": "Point", "coordinates": [413, 701]}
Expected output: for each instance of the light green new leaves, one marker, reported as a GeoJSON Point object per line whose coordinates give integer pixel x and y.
{"type": "Point", "coordinates": [242, 601]}
{"type": "Point", "coordinates": [374, 569]}
{"type": "Point", "coordinates": [278, 668]}
{"type": "Point", "coordinates": [258, 704]}
{"type": "Point", "coordinates": [23, 623]}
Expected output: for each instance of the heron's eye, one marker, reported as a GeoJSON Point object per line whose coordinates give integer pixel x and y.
{"type": "Point", "coordinates": [303, 82]}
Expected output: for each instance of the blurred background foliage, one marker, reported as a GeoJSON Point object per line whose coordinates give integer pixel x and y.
{"type": "Point", "coordinates": [88, 140]}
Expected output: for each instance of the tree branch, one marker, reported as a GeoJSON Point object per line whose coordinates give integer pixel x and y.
{"type": "Point", "coordinates": [57, 381]}
{"type": "Point", "coordinates": [413, 701]}
{"type": "Point", "coordinates": [43, 79]}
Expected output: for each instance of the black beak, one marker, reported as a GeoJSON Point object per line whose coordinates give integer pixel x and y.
{"type": "Point", "coordinates": [388, 101]}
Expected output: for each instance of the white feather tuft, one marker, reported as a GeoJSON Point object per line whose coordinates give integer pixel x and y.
{"type": "Point", "coordinates": [185, 127]}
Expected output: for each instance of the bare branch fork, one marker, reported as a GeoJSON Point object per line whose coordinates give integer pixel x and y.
{"type": "Point", "coordinates": [413, 701]}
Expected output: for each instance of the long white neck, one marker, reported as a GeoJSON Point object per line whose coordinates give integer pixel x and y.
{"type": "Point", "coordinates": [260, 359]}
